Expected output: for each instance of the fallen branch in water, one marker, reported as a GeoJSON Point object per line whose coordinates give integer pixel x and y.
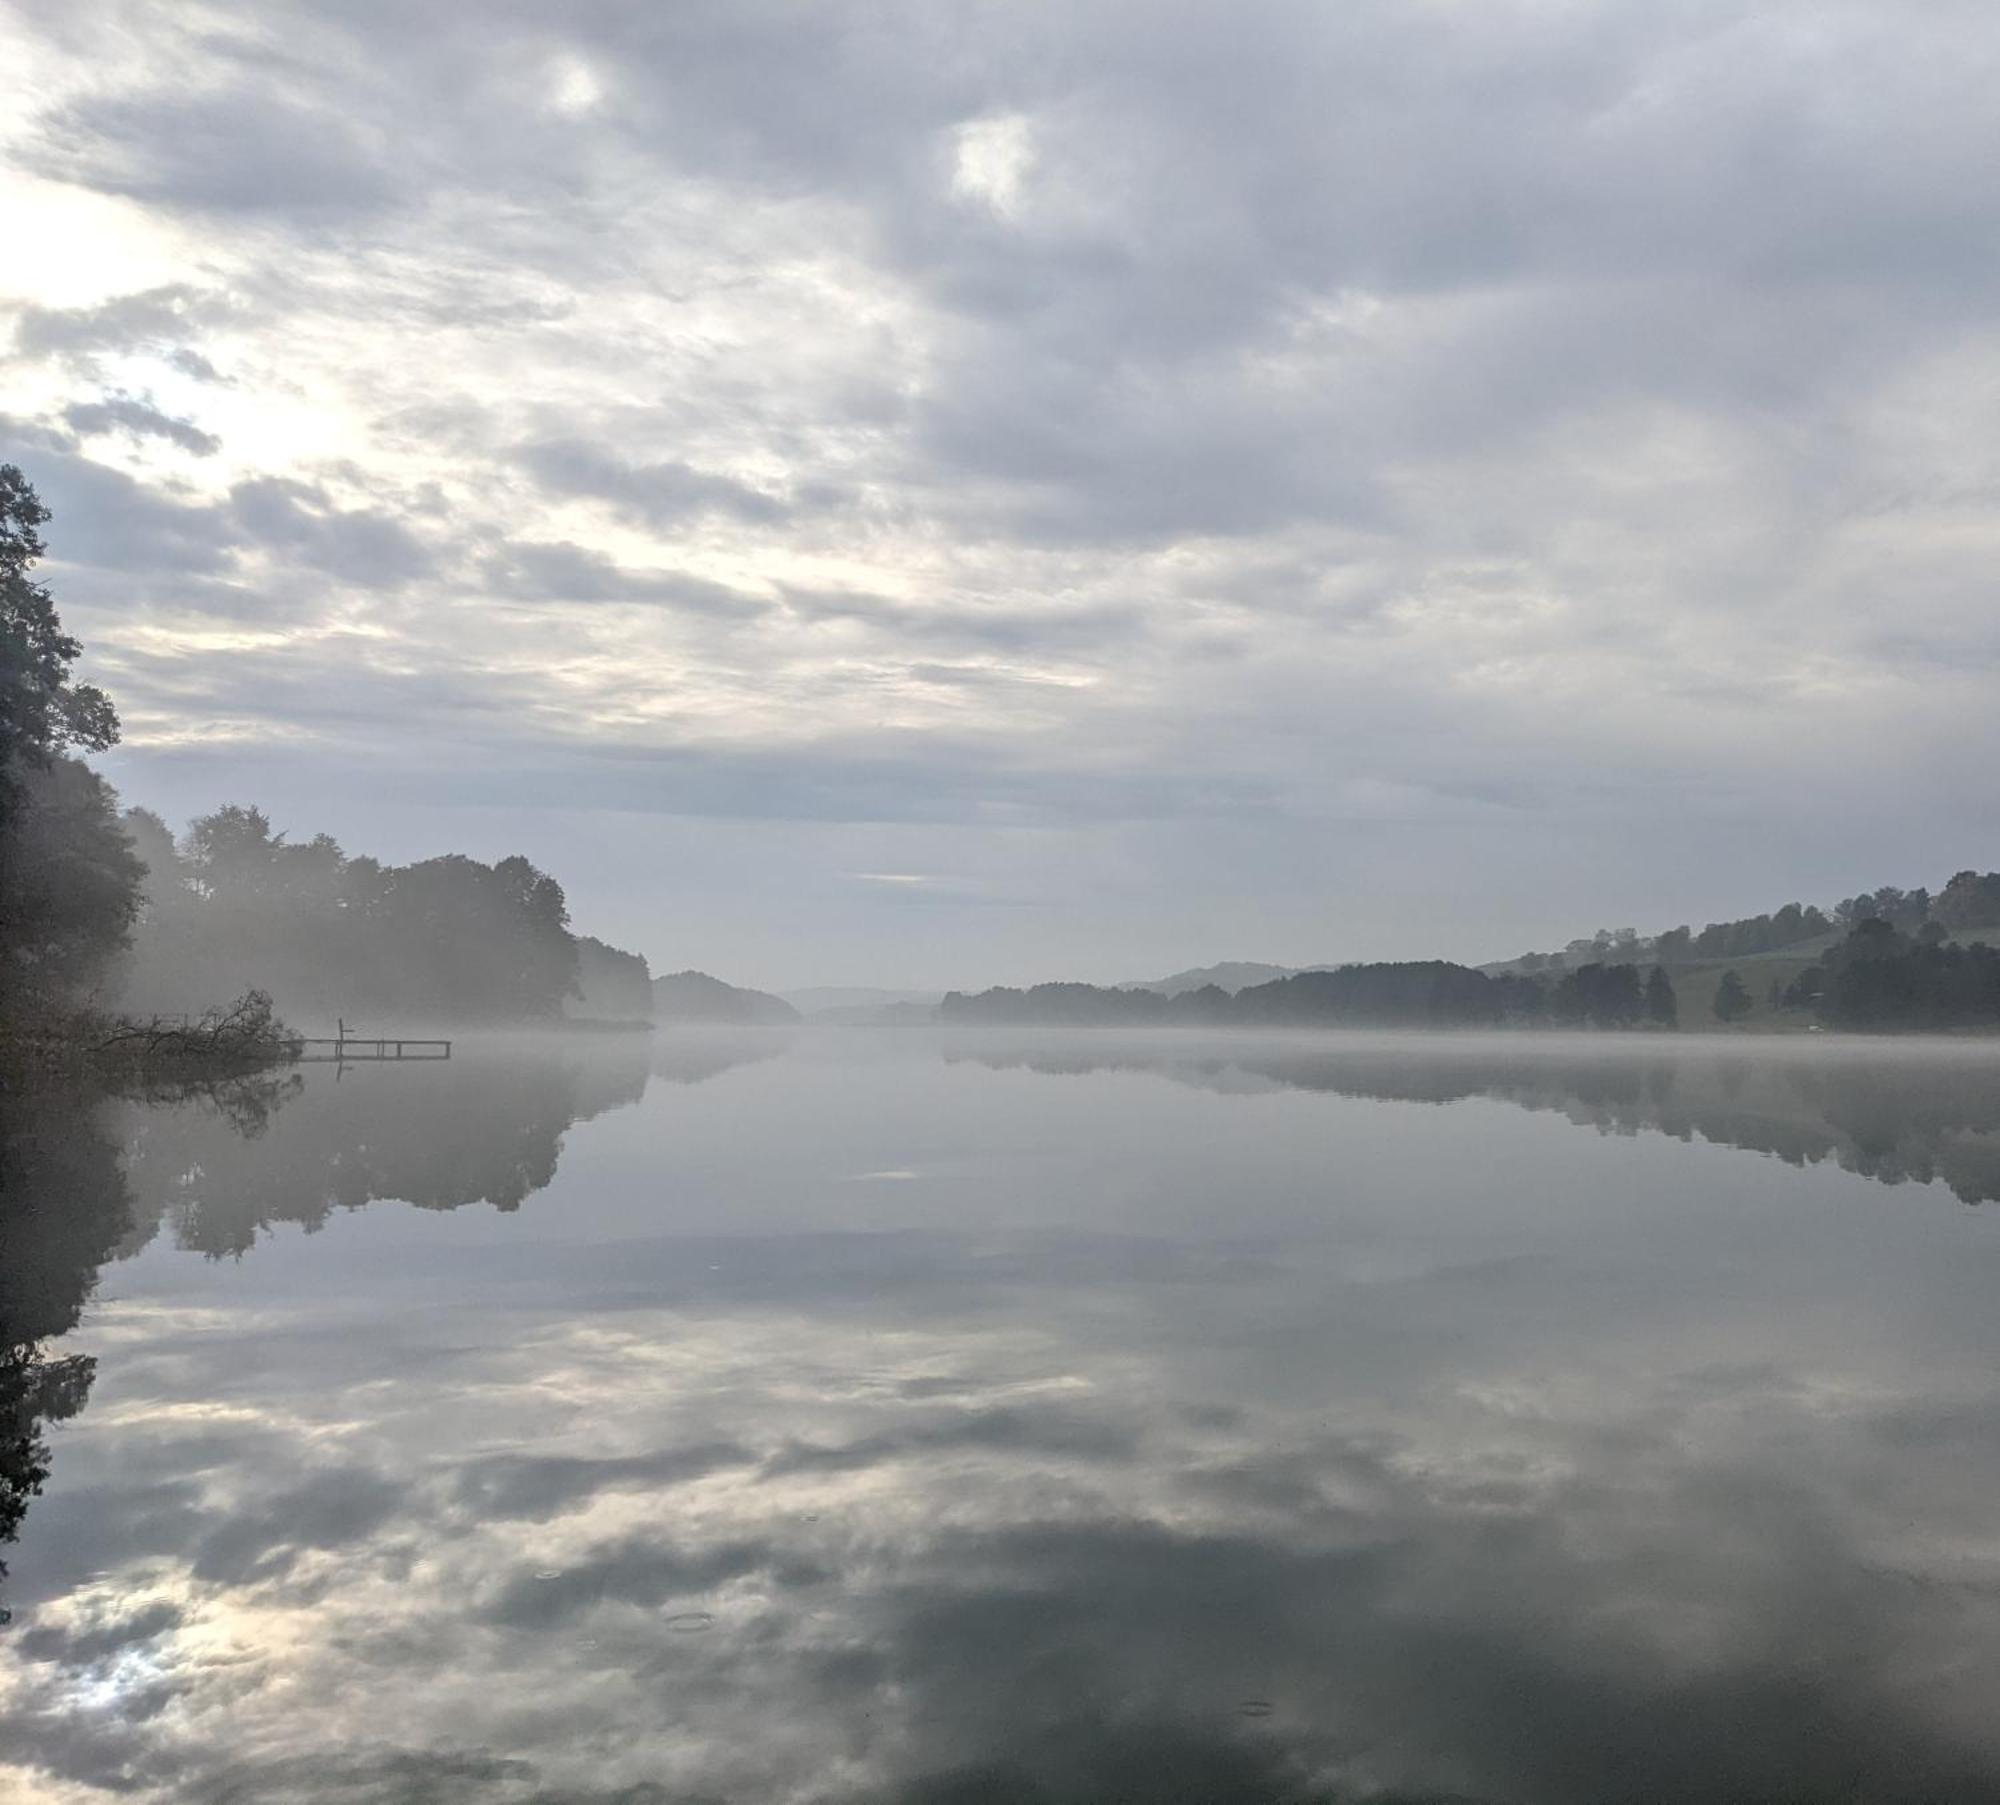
{"type": "Point", "coordinates": [238, 1037]}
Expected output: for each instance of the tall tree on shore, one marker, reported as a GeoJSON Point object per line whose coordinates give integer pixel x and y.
{"type": "Point", "coordinates": [1732, 1001]}
{"type": "Point", "coordinates": [1662, 1009]}
{"type": "Point", "coordinates": [42, 711]}
{"type": "Point", "coordinates": [69, 882]}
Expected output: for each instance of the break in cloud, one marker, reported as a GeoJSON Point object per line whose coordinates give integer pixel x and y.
{"type": "Point", "coordinates": [1270, 481]}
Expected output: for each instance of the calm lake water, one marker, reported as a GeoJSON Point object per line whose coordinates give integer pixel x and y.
{"type": "Point", "coordinates": [955, 1418]}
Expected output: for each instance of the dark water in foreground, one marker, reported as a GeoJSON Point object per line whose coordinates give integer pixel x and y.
{"type": "Point", "coordinates": [956, 1420]}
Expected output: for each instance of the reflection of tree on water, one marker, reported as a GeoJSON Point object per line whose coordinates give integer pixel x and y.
{"type": "Point", "coordinates": [62, 1208]}
{"type": "Point", "coordinates": [485, 1127]}
{"type": "Point", "coordinates": [1927, 1117]}
{"type": "Point", "coordinates": [684, 1057]}
{"type": "Point", "coordinates": [84, 1180]}
{"type": "Point", "coordinates": [66, 1208]}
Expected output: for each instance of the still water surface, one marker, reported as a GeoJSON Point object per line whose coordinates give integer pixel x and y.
{"type": "Point", "coordinates": [910, 1417]}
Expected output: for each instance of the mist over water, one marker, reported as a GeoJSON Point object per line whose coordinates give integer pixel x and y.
{"type": "Point", "coordinates": [984, 1416]}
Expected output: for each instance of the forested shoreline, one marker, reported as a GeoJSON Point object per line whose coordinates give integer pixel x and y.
{"type": "Point", "coordinates": [112, 927]}
{"type": "Point", "coordinates": [127, 949]}
{"type": "Point", "coordinates": [1876, 979]}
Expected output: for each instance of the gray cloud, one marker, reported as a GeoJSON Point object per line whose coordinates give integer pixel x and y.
{"type": "Point", "coordinates": [105, 518]}
{"type": "Point", "coordinates": [1040, 1431]}
{"type": "Point", "coordinates": [640, 1572]}
{"type": "Point", "coordinates": [160, 320]}
{"type": "Point", "coordinates": [544, 1486]}
{"type": "Point", "coordinates": [331, 1508]}
{"type": "Point", "coordinates": [365, 548]}
{"type": "Point", "coordinates": [658, 493]}
{"type": "Point", "coordinates": [560, 571]}
{"type": "Point", "coordinates": [139, 419]}
{"type": "Point", "coordinates": [230, 150]}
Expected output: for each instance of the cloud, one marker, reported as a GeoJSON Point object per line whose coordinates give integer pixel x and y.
{"type": "Point", "coordinates": [331, 1508]}
{"type": "Point", "coordinates": [139, 419]}
{"type": "Point", "coordinates": [659, 494]}
{"type": "Point", "coordinates": [1347, 409]}
{"type": "Point", "coordinates": [544, 1486]}
{"type": "Point", "coordinates": [229, 150]}
{"type": "Point", "coordinates": [157, 320]}
{"type": "Point", "coordinates": [359, 546]}
{"type": "Point", "coordinates": [104, 518]}
{"type": "Point", "coordinates": [561, 571]}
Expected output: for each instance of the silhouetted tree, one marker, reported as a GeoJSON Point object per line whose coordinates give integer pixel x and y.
{"type": "Point", "coordinates": [611, 984]}
{"type": "Point", "coordinates": [1880, 978]}
{"type": "Point", "coordinates": [42, 711]}
{"type": "Point", "coordinates": [63, 1207]}
{"type": "Point", "coordinates": [1732, 1001]}
{"type": "Point", "coordinates": [1675, 946]}
{"type": "Point", "coordinates": [239, 904]}
{"type": "Point", "coordinates": [1603, 996]}
{"type": "Point", "coordinates": [1904, 909]}
{"type": "Point", "coordinates": [1970, 900]}
{"type": "Point", "coordinates": [69, 885]}
{"type": "Point", "coordinates": [1662, 1007]}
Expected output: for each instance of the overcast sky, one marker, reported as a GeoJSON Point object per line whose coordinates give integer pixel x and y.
{"type": "Point", "coordinates": [938, 493]}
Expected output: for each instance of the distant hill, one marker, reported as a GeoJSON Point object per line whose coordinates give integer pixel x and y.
{"type": "Point", "coordinates": [876, 1015]}
{"type": "Point", "coordinates": [1968, 904]}
{"type": "Point", "coordinates": [693, 996]}
{"type": "Point", "coordinates": [819, 999]}
{"type": "Point", "coordinates": [1231, 975]}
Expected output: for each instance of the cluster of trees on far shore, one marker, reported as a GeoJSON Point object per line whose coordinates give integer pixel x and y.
{"type": "Point", "coordinates": [1880, 977]}
{"type": "Point", "coordinates": [1970, 900]}
{"type": "Point", "coordinates": [1875, 978]}
{"type": "Point", "coordinates": [234, 902]}
{"type": "Point", "coordinates": [1422, 993]}
{"type": "Point", "coordinates": [113, 907]}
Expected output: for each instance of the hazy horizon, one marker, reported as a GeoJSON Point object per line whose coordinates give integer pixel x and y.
{"type": "Point", "coordinates": [927, 498]}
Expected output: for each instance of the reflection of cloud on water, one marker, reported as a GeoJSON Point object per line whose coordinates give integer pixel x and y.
{"type": "Point", "coordinates": [1573, 1506]}
{"type": "Point", "coordinates": [945, 1553]}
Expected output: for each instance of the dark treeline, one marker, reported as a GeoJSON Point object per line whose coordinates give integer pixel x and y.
{"type": "Point", "coordinates": [101, 908]}
{"type": "Point", "coordinates": [1880, 978]}
{"type": "Point", "coordinates": [1876, 978]}
{"type": "Point", "coordinates": [234, 903]}
{"type": "Point", "coordinates": [1426, 993]}
{"type": "Point", "coordinates": [69, 880]}
{"type": "Point", "coordinates": [612, 985]}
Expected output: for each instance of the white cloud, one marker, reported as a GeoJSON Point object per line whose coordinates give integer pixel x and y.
{"type": "Point", "coordinates": [991, 161]}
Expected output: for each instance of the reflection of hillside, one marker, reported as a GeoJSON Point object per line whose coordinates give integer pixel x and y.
{"type": "Point", "coordinates": [485, 1127]}
{"type": "Point", "coordinates": [695, 1055]}
{"type": "Point", "coordinates": [1933, 1116]}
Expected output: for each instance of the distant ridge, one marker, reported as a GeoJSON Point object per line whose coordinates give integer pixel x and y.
{"type": "Point", "coordinates": [693, 996]}
{"type": "Point", "coordinates": [1231, 975]}
{"type": "Point", "coordinates": [818, 999]}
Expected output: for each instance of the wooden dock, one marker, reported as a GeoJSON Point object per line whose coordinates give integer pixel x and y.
{"type": "Point", "coordinates": [347, 1049]}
